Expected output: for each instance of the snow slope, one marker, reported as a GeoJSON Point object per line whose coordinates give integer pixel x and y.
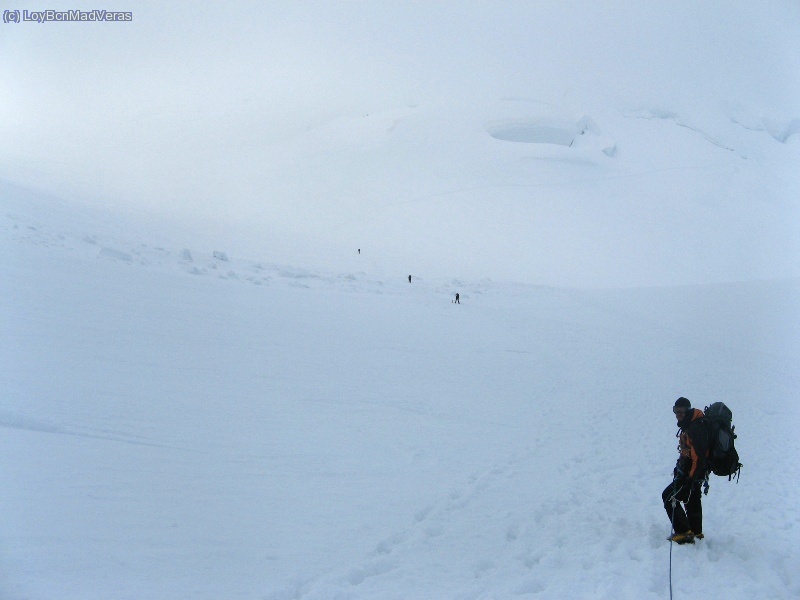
{"type": "Point", "coordinates": [177, 424]}
{"type": "Point", "coordinates": [207, 392]}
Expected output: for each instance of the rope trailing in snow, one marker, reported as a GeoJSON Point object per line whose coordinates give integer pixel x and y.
{"type": "Point", "coordinates": [670, 569]}
{"type": "Point", "coordinates": [672, 533]}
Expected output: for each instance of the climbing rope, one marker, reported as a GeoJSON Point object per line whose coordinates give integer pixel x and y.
{"type": "Point", "coordinates": [672, 533]}
{"type": "Point", "coordinates": [670, 560]}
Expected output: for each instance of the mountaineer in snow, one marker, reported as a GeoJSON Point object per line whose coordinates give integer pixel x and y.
{"type": "Point", "coordinates": [682, 497]}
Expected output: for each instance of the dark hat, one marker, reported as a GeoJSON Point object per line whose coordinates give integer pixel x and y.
{"type": "Point", "coordinates": [683, 403]}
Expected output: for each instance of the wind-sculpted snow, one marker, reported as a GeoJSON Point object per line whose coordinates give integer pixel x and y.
{"type": "Point", "coordinates": [24, 422]}
{"type": "Point", "coordinates": [553, 131]}
{"type": "Point", "coordinates": [535, 133]}
{"type": "Point", "coordinates": [183, 422]}
{"type": "Point", "coordinates": [202, 263]}
{"type": "Point", "coordinates": [780, 130]}
{"type": "Point", "coordinates": [671, 116]}
{"type": "Point", "coordinates": [785, 133]}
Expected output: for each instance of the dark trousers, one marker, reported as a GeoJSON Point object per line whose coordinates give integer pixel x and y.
{"type": "Point", "coordinates": [690, 496]}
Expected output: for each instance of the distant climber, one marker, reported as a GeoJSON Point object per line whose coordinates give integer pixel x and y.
{"type": "Point", "coordinates": [458, 298]}
{"type": "Point", "coordinates": [409, 279]}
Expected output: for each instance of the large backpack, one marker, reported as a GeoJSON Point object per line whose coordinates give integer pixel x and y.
{"type": "Point", "coordinates": [722, 456]}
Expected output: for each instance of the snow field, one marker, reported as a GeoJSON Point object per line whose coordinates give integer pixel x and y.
{"type": "Point", "coordinates": [172, 433]}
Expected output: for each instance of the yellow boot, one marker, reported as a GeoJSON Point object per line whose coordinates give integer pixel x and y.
{"type": "Point", "coordinates": [682, 538]}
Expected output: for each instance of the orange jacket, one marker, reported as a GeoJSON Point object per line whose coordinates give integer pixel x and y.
{"type": "Point", "coordinates": [693, 445]}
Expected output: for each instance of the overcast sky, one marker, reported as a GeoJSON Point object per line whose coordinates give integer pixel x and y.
{"type": "Point", "coordinates": [193, 107]}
